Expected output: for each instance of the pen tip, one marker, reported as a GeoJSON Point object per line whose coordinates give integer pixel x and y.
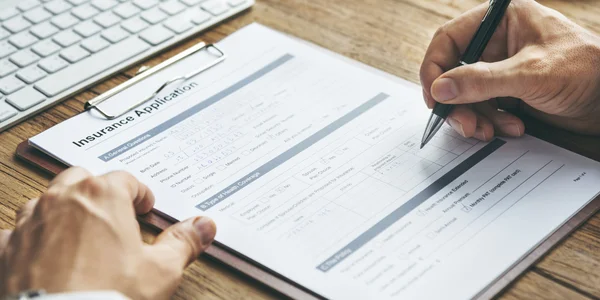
{"type": "Point", "coordinates": [422, 145]}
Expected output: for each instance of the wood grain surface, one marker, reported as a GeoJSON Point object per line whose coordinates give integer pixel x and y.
{"type": "Point", "coordinates": [391, 35]}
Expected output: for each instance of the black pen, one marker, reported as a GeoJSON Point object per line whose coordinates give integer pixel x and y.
{"type": "Point", "coordinates": [472, 54]}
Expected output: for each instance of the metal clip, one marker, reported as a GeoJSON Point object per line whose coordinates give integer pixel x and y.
{"type": "Point", "coordinates": [145, 72]}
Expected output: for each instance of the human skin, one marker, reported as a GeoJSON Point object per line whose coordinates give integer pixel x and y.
{"type": "Point", "coordinates": [538, 62]}
{"type": "Point", "coordinates": [82, 235]}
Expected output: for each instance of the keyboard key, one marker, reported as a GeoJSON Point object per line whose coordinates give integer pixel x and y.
{"type": "Point", "coordinates": [101, 61]}
{"type": "Point", "coordinates": [8, 13]}
{"type": "Point", "coordinates": [37, 15]}
{"type": "Point", "coordinates": [234, 3]}
{"type": "Point", "coordinates": [191, 2]}
{"type": "Point", "coordinates": [87, 29]}
{"type": "Point", "coordinates": [115, 34]}
{"type": "Point", "coordinates": [25, 5]}
{"type": "Point", "coordinates": [126, 10]}
{"type": "Point", "coordinates": [107, 19]}
{"type": "Point", "coordinates": [24, 58]}
{"type": "Point", "coordinates": [53, 64]}
{"type": "Point", "coordinates": [200, 17]}
{"type": "Point", "coordinates": [31, 74]}
{"type": "Point", "coordinates": [64, 21]}
{"type": "Point", "coordinates": [6, 67]}
{"type": "Point", "coordinates": [134, 25]}
{"type": "Point", "coordinates": [156, 35]}
{"type": "Point", "coordinates": [44, 30]}
{"type": "Point", "coordinates": [153, 16]}
{"type": "Point", "coordinates": [10, 84]}
{"type": "Point", "coordinates": [172, 7]}
{"type": "Point", "coordinates": [6, 111]}
{"type": "Point", "coordinates": [3, 33]}
{"type": "Point", "coordinates": [95, 44]}
{"type": "Point", "coordinates": [145, 4]}
{"type": "Point", "coordinates": [6, 49]}
{"type": "Point", "coordinates": [77, 2]}
{"type": "Point", "coordinates": [25, 98]}
{"type": "Point", "coordinates": [85, 12]}
{"type": "Point", "coordinates": [16, 24]}
{"type": "Point", "coordinates": [178, 24]}
{"type": "Point", "coordinates": [104, 4]}
{"type": "Point", "coordinates": [57, 6]}
{"type": "Point", "coordinates": [23, 40]}
{"type": "Point", "coordinates": [74, 54]}
{"type": "Point", "coordinates": [66, 38]}
{"type": "Point", "coordinates": [45, 48]}
{"type": "Point", "coordinates": [215, 7]}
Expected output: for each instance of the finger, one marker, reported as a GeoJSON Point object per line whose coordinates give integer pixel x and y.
{"type": "Point", "coordinates": [25, 212]}
{"type": "Point", "coordinates": [70, 176]}
{"type": "Point", "coordinates": [4, 238]}
{"type": "Point", "coordinates": [464, 120]}
{"type": "Point", "coordinates": [485, 128]}
{"type": "Point", "coordinates": [505, 124]}
{"type": "Point", "coordinates": [143, 198]}
{"type": "Point", "coordinates": [181, 243]}
{"type": "Point", "coordinates": [451, 40]}
{"type": "Point", "coordinates": [428, 100]}
{"type": "Point", "coordinates": [480, 82]}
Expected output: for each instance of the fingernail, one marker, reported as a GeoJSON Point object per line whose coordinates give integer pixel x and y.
{"type": "Point", "coordinates": [205, 229]}
{"type": "Point", "coordinates": [479, 134]}
{"type": "Point", "coordinates": [511, 129]}
{"type": "Point", "coordinates": [444, 89]}
{"type": "Point", "coordinates": [457, 126]}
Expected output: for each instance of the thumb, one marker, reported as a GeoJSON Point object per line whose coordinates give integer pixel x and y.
{"type": "Point", "coordinates": [478, 82]}
{"type": "Point", "coordinates": [183, 242]}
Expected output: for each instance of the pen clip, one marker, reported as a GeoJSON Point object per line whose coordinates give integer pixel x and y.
{"type": "Point", "coordinates": [489, 10]}
{"type": "Point", "coordinates": [143, 74]}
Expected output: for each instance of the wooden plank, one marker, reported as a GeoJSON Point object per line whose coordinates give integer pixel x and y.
{"type": "Point", "coordinates": [391, 35]}
{"type": "Point", "coordinates": [577, 260]}
{"type": "Point", "coordinates": [535, 286]}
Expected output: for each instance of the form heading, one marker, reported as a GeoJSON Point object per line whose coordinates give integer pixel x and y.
{"type": "Point", "coordinates": [137, 113]}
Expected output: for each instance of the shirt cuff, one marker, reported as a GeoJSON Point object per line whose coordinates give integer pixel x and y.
{"type": "Point", "coordinates": [94, 295]}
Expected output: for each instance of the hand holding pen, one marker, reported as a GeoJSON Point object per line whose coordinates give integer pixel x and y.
{"type": "Point", "coordinates": [524, 66]}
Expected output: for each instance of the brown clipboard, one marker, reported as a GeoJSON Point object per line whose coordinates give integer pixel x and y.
{"type": "Point", "coordinates": [586, 146]}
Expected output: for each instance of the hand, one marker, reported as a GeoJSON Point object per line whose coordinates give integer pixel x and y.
{"type": "Point", "coordinates": [536, 55]}
{"type": "Point", "coordinates": [81, 235]}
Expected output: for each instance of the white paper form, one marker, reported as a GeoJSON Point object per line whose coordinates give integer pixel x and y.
{"type": "Point", "coordinates": [310, 166]}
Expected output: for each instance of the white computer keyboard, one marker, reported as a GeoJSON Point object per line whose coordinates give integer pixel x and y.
{"type": "Point", "coordinates": [52, 49]}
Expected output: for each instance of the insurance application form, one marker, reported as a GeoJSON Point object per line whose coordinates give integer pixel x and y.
{"type": "Point", "coordinates": [310, 165]}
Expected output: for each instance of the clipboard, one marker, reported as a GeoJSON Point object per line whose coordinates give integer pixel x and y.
{"type": "Point", "coordinates": [285, 287]}
{"type": "Point", "coordinates": [288, 288]}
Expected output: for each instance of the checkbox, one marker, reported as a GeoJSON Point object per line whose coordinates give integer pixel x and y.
{"type": "Point", "coordinates": [221, 168]}
{"type": "Point", "coordinates": [466, 208]}
{"type": "Point", "coordinates": [246, 152]}
{"type": "Point", "coordinates": [432, 235]}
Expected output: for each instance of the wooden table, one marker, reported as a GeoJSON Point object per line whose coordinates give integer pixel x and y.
{"type": "Point", "coordinates": [391, 35]}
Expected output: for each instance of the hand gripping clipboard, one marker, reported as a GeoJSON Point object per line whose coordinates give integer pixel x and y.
{"type": "Point", "coordinates": [155, 219]}
{"type": "Point", "coordinates": [586, 146]}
